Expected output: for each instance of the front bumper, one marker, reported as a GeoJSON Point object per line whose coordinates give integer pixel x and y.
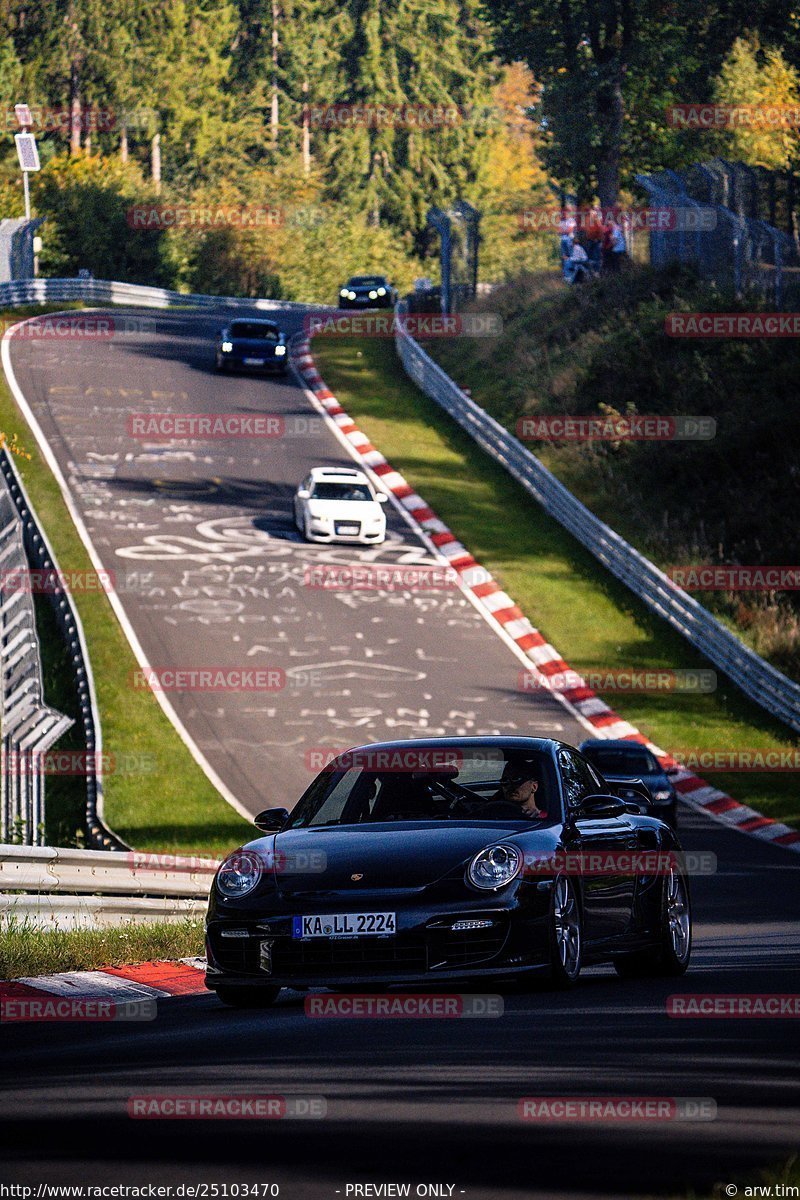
{"type": "Point", "coordinates": [236, 362]}
{"type": "Point", "coordinates": [425, 949]}
{"type": "Point", "coordinates": [366, 304]}
{"type": "Point", "coordinates": [358, 539]}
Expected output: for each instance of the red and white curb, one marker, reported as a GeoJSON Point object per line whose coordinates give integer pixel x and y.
{"type": "Point", "coordinates": [107, 988]}
{"type": "Point", "coordinates": [512, 624]}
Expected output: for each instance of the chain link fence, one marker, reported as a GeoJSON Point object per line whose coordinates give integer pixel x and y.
{"type": "Point", "coordinates": [735, 225]}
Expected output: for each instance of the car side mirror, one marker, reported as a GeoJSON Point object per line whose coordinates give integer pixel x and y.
{"type": "Point", "coordinates": [596, 807]}
{"type": "Point", "coordinates": [271, 820]}
{"type": "Point", "coordinates": [303, 494]}
{"type": "Point", "coordinates": [382, 498]}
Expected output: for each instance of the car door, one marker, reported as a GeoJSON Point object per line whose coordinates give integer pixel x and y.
{"type": "Point", "coordinates": [598, 844]}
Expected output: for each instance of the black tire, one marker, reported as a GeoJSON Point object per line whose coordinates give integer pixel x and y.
{"type": "Point", "coordinates": [670, 958]}
{"type": "Point", "coordinates": [565, 934]}
{"type": "Point", "coordinates": [248, 997]}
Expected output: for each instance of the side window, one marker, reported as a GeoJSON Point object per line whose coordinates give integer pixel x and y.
{"type": "Point", "coordinates": [577, 777]}
{"type": "Point", "coordinates": [596, 783]}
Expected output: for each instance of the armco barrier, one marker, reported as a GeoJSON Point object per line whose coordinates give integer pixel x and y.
{"type": "Point", "coordinates": [29, 726]}
{"type": "Point", "coordinates": [65, 887]}
{"type": "Point", "coordinates": [770, 689]}
{"type": "Point", "coordinates": [103, 291]}
{"type": "Point", "coordinates": [38, 555]}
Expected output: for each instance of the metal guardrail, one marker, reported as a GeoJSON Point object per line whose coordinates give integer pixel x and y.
{"type": "Point", "coordinates": [773, 691]}
{"type": "Point", "coordinates": [67, 888]}
{"type": "Point", "coordinates": [103, 291]}
{"type": "Point", "coordinates": [28, 725]}
{"type": "Point", "coordinates": [36, 554]}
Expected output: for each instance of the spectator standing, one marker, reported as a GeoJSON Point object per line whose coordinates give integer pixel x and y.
{"type": "Point", "coordinates": [594, 239]}
{"type": "Point", "coordinates": [617, 250]}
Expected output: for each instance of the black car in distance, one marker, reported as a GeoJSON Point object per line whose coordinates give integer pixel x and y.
{"type": "Point", "coordinates": [252, 344]}
{"type": "Point", "coordinates": [367, 291]}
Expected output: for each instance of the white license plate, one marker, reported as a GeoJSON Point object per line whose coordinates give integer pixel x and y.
{"type": "Point", "coordinates": [345, 925]}
{"type": "Point", "coordinates": [347, 530]}
{"type": "Point", "coordinates": [254, 362]}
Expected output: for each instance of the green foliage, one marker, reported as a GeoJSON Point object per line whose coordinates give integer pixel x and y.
{"type": "Point", "coordinates": [750, 77]}
{"type": "Point", "coordinates": [86, 203]}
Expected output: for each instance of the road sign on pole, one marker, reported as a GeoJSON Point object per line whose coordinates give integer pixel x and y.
{"type": "Point", "coordinates": [27, 152]}
{"type": "Point", "coordinates": [23, 114]}
{"type": "Point", "coordinates": [28, 155]}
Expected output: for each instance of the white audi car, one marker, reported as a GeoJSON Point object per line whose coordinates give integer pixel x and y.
{"type": "Point", "coordinates": [336, 504]}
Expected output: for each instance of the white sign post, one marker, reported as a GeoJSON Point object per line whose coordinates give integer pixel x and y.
{"type": "Point", "coordinates": [27, 151]}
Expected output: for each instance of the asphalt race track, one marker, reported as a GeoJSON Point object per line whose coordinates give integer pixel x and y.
{"type": "Point", "coordinates": [211, 572]}
{"type": "Point", "coordinates": [423, 1101]}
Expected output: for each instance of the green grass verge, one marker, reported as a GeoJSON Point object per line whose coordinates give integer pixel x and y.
{"type": "Point", "coordinates": [593, 620]}
{"type": "Point", "coordinates": [27, 949]}
{"type": "Point", "coordinates": [174, 807]}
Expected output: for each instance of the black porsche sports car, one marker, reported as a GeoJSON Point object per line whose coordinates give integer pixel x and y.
{"type": "Point", "coordinates": [367, 291]}
{"type": "Point", "coordinates": [444, 860]}
{"type": "Point", "coordinates": [253, 344]}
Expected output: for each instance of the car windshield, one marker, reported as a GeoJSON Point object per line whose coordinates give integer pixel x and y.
{"type": "Point", "coordinates": [367, 281]}
{"type": "Point", "coordinates": [419, 783]}
{"type": "Point", "coordinates": [623, 762]}
{"type": "Point", "coordinates": [341, 491]}
{"type": "Point", "coordinates": [255, 331]}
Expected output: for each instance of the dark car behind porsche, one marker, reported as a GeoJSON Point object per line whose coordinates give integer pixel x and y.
{"type": "Point", "coordinates": [622, 762]}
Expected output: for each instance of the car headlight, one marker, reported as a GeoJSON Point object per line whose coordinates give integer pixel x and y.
{"type": "Point", "coordinates": [495, 867]}
{"type": "Point", "coordinates": [344, 292]}
{"type": "Point", "coordinates": [373, 295]}
{"type": "Point", "coordinates": [239, 874]}
{"type": "Point", "coordinates": [664, 795]}
{"type": "Point", "coordinates": [227, 347]}
{"type": "Point", "coordinates": [280, 351]}
{"type": "Point", "coordinates": [381, 291]}
{"type": "Point", "coordinates": [351, 295]}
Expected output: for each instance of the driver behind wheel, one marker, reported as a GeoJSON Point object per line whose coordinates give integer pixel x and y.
{"type": "Point", "coordinates": [520, 784]}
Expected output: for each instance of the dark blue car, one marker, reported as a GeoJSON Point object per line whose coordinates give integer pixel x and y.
{"type": "Point", "coordinates": [620, 761]}
{"type": "Point", "coordinates": [252, 345]}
